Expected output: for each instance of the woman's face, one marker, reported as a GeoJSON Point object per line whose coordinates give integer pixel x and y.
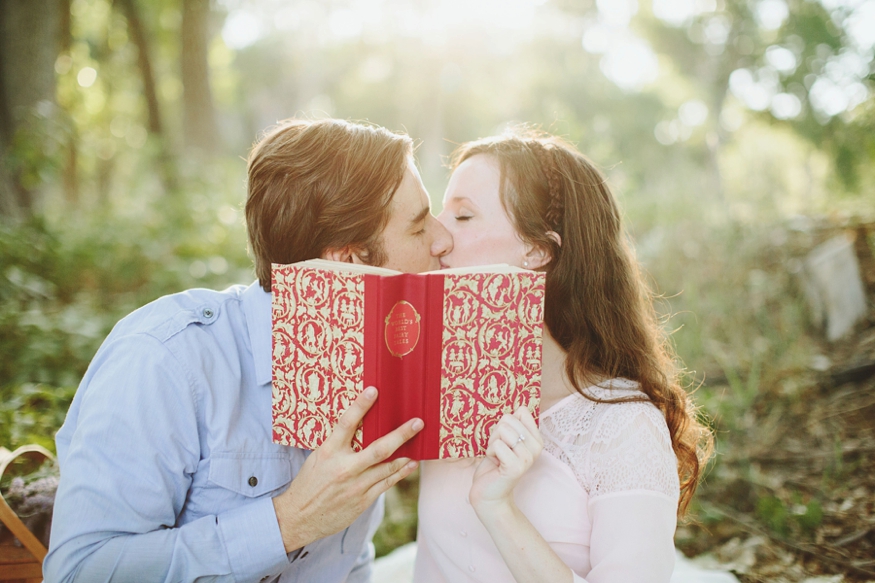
{"type": "Point", "coordinates": [473, 214]}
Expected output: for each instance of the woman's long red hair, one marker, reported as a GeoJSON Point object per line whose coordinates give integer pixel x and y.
{"type": "Point", "coordinates": [598, 306]}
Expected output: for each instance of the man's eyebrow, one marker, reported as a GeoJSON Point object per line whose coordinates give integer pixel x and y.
{"type": "Point", "coordinates": [421, 216]}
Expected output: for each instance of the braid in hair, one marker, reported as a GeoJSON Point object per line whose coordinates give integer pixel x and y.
{"type": "Point", "coordinates": [551, 172]}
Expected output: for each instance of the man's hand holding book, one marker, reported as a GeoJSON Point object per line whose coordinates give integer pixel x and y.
{"type": "Point", "coordinates": [336, 484]}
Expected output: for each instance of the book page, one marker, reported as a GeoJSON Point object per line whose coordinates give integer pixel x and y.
{"type": "Point", "coordinates": [329, 265]}
{"type": "Point", "coordinates": [496, 268]}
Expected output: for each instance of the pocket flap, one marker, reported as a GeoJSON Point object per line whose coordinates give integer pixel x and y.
{"type": "Point", "coordinates": [249, 474]}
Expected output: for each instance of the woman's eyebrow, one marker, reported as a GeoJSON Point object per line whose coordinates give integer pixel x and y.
{"type": "Point", "coordinates": [464, 199]}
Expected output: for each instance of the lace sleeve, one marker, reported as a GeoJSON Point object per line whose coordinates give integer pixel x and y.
{"type": "Point", "coordinates": [631, 450]}
{"type": "Point", "coordinates": [613, 447]}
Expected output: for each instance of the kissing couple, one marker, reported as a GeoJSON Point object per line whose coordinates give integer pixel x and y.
{"type": "Point", "coordinates": [168, 469]}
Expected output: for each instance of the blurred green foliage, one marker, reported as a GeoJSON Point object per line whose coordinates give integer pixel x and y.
{"type": "Point", "coordinates": [791, 516]}
{"type": "Point", "coordinates": [66, 280]}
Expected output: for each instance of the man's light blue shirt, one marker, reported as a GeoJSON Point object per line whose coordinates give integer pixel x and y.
{"type": "Point", "coordinates": [167, 463]}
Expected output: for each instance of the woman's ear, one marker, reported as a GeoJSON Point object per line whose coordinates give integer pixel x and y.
{"type": "Point", "coordinates": [345, 255]}
{"type": "Point", "coordinates": [538, 256]}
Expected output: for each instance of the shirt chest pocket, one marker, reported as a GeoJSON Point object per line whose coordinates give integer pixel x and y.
{"type": "Point", "coordinates": [250, 475]}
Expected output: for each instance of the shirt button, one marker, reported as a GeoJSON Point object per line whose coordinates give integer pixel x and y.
{"type": "Point", "coordinates": [463, 533]}
{"type": "Point", "coordinates": [208, 313]}
{"type": "Point", "coordinates": [253, 481]}
{"type": "Point", "coordinates": [472, 568]}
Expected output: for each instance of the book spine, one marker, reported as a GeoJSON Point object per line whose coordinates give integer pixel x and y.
{"type": "Point", "coordinates": [401, 353]}
{"type": "Point", "coordinates": [403, 316]}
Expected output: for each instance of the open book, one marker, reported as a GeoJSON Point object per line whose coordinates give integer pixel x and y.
{"type": "Point", "coordinates": [457, 348]}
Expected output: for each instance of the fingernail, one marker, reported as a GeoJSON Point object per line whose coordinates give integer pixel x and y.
{"type": "Point", "coordinates": [412, 465]}
{"type": "Point", "coordinates": [370, 393]}
{"type": "Point", "coordinates": [417, 424]}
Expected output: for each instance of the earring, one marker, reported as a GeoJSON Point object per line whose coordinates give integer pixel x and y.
{"type": "Point", "coordinates": [526, 264]}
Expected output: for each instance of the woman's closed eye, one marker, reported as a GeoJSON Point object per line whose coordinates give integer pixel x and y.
{"type": "Point", "coordinates": [464, 217]}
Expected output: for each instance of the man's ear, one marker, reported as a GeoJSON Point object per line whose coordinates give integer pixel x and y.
{"type": "Point", "coordinates": [344, 255]}
{"type": "Point", "coordinates": [538, 256]}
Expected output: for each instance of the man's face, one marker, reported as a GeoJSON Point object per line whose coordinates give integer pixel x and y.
{"type": "Point", "coordinates": [413, 240]}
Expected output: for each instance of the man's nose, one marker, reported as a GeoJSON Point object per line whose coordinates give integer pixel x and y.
{"type": "Point", "coordinates": [443, 241]}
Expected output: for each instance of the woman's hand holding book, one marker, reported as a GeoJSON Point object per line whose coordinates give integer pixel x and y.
{"type": "Point", "coordinates": [514, 445]}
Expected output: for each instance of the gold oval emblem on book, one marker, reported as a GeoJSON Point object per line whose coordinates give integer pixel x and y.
{"type": "Point", "coordinates": [402, 329]}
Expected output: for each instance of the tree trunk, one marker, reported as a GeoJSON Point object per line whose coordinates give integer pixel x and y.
{"type": "Point", "coordinates": [199, 117]}
{"type": "Point", "coordinates": [139, 36]}
{"type": "Point", "coordinates": [29, 32]}
{"type": "Point", "coordinates": [65, 36]}
{"type": "Point", "coordinates": [70, 181]}
{"type": "Point", "coordinates": [144, 62]}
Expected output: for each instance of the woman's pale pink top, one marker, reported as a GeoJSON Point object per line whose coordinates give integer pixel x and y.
{"type": "Point", "coordinates": [603, 494]}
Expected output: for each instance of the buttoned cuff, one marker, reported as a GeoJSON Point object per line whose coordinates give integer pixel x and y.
{"type": "Point", "coordinates": [253, 541]}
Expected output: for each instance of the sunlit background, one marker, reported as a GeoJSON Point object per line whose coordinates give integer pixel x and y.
{"type": "Point", "coordinates": [644, 88]}
{"type": "Point", "coordinates": [737, 135]}
{"type": "Point", "coordinates": [660, 94]}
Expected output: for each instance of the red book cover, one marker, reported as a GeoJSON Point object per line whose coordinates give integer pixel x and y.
{"type": "Point", "coordinates": [457, 348]}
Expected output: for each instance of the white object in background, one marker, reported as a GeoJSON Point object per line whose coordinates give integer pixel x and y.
{"type": "Point", "coordinates": [397, 567]}
{"type": "Point", "coordinates": [685, 571]}
{"type": "Point", "coordinates": [834, 287]}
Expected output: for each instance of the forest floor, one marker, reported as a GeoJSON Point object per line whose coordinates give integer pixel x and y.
{"type": "Point", "coordinates": [791, 496]}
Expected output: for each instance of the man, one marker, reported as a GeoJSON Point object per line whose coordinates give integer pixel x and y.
{"type": "Point", "coordinates": [168, 471]}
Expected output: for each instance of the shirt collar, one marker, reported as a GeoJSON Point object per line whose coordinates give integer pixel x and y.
{"type": "Point", "coordinates": [257, 308]}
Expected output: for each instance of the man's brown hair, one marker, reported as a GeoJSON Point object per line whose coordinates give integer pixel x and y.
{"type": "Point", "coordinates": [317, 185]}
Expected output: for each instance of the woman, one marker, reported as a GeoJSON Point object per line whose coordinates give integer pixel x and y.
{"type": "Point", "coordinates": [622, 450]}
